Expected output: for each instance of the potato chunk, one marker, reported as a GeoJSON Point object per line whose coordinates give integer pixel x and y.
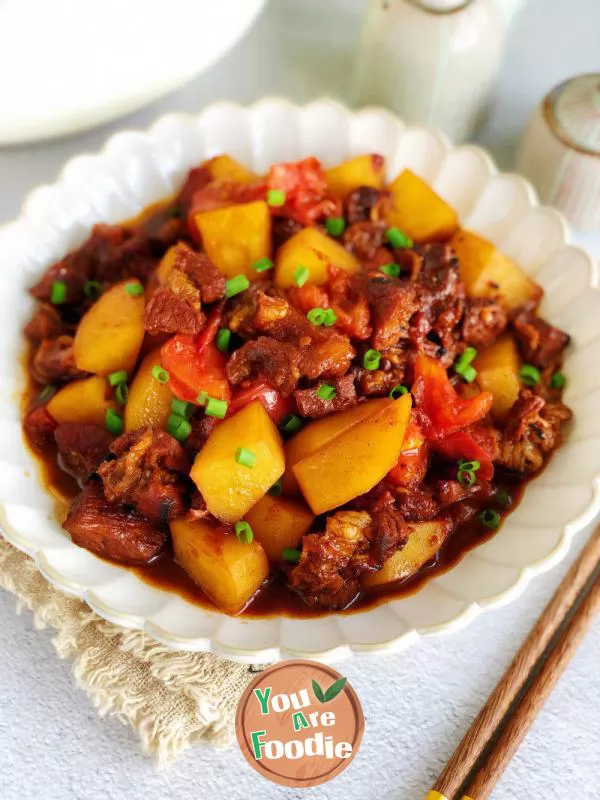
{"type": "Point", "coordinates": [149, 401]}
{"type": "Point", "coordinates": [227, 570]}
{"type": "Point", "coordinates": [110, 335]}
{"type": "Point", "coordinates": [423, 543]}
{"type": "Point", "coordinates": [498, 372]}
{"type": "Point", "coordinates": [82, 401]}
{"type": "Point", "coordinates": [418, 211]}
{"type": "Point", "coordinates": [367, 170]}
{"type": "Point", "coordinates": [231, 489]}
{"type": "Point", "coordinates": [486, 272]}
{"type": "Point", "coordinates": [353, 462]}
{"type": "Point", "coordinates": [312, 437]}
{"type": "Point", "coordinates": [314, 250]}
{"type": "Point", "coordinates": [279, 523]}
{"type": "Point", "coordinates": [227, 168]}
{"type": "Point", "coordinates": [236, 236]}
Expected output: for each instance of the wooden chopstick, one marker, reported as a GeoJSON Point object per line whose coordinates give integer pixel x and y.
{"type": "Point", "coordinates": [515, 730]}
{"type": "Point", "coordinates": [469, 751]}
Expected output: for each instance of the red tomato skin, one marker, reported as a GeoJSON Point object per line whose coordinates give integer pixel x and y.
{"type": "Point", "coordinates": [277, 406]}
{"type": "Point", "coordinates": [305, 187]}
{"type": "Point", "coordinates": [195, 366]}
{"type": "Point", "coordinates": [462, 444]}
{"type": "Point", "coordinates": [413, 461]}
{"type": "Point", "coordinates": [439, 408]}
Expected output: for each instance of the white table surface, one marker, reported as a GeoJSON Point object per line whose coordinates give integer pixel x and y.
{"type": "Point", "coordinates": [417, 704]}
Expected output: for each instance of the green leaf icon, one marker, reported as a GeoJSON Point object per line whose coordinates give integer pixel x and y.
{"type": "Point", "coordinates": [334, 689]}
{"type": "Point", "coordinates": [318, 692]}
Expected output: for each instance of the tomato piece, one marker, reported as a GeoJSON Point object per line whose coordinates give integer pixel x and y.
{"type": "Point", "coordinates": [412, 463]}
{"type": "Point", "coordinates": [276, 405]}
{"type": "Point", "coordinates": [463, 444]}
{"type": "Point", "coordinates": [440, 410]}
{"type": "Point", "coordinates": [305, 187]}
{"type": "Point", "coordinates": [194, 367]}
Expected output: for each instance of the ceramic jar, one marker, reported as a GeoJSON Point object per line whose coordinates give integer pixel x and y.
{"type": "Point", "coordinates": [434, 62]}
{"type": "Point", "coordinates": [560, 151]}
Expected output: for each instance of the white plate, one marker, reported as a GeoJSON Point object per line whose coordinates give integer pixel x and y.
{"type": "Point", "coordinates": [135, 169]}
{"type": "Point", "coordinates": [68, 65]}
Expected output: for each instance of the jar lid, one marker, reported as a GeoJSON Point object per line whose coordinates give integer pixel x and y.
{"type": "Point", "coordinates": [572, 110]}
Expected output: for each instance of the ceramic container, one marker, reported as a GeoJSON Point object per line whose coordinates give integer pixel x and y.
{"type": "Point", "coordinates": [137, 168]}
{"type": "Point", "coordinates": [560, 151]}
{"type": "Point", "coordinates": [434, 62]}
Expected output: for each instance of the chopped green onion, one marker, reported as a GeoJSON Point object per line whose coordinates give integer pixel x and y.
{"type": "Point", "coordinates": [291, 423]}
{"type": "Point", "coordinates": [115, 378]}
{"type": "Point", "coordinates": [160, 374]}
{"type": "Point", "coordinates": [470, 466]}
{"type": "Point", "coordinates": [222, 339]}
{"type": "Point", "coordinates": [276, 197]}
{"type": "Point", "coordinates": [503, 498]}
{"type": "Point", "coordinates": [93, 289]}
{"type": "Point", "coordinates": [490, 518]}
{"type": "Point", "coordinates": [46, 393]}
{"type": "Point", "coordinates": [398, 391]}
{"type": "Point", "coordinates": [326, 392]}
{"type": "Point", "coordinates": [301, 275]}
{"type": "Point", "coordinates": [316, 316]}
{"type": "Point", "coordinates": [134, 289]}
{"type": "Point", "coordinates": [244, 532]}
{"type": "Point", "coordinates": [463, 366]}
{"type": "Point", "coordinates": [235, 285]}
{"type": "Point", "coordinates": [392, 270]}
{"type": "Point", "coordinates": [276, 489]}
{"type": "Point", "coordinates": [58, 292]}
{"type": "Point", "coordinates": [262, 265]}
{"type": "Point", "coordinates": [335, 226]}
{"type": "Point", "coordinates": [291, 554]}
{"type": "Point", "coordinates": [558, 380]}
{"type": "Point", "coordinates": [122, 393]}
{"type": "Point", "coordinates": [398, 239]}
{"type": "Point", "coordinates": [216, 408]}
{"type": "Point", "coordinates": [330, 318]}
{"type": "Point", "coordinates": [182, 408]}
{"type": "Point", "coordinates": [372, 359]}
{"type": "Point", "coordinates": [178, 427]}
{"type": "Point", "coordinates": [530, 375]}
{"type": "Point", "coordinates": [202, 398]}
{"type": "Point", "coordinates": [114, 422]}
{"type": "Point", "coordinates": [466, 477]}
{"type": "Point", "coordinates": [245, 457]}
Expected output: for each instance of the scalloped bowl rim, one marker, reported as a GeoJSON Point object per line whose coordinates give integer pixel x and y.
{"type": "Point", "coordinates": [338, 650]}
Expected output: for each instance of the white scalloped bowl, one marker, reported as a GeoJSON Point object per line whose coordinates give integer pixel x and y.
{"type": "Point", "coordinates": [135, 169]}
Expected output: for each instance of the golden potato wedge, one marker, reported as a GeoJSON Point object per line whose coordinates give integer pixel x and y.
{"type": "Point", "coordinates": [149, 401]}
{"type": "Point", "coordinates": [357, 459]}
{"type": "Point", "coordinates": [110, 334]}
{"type": "Point", "coordinates": [229, 571]}
{"type": "Point", "coordinates": [312, 437]}
{"type": "Point", "coordinates": [237, 236]}
{"type": "Point", "coordinates": [366, 170]}
{"type": "Point", "coordinates": [225, 167]}
{"type": "Point", "coordinates": [314, 250]}
{"type": "Point", "coordinates": [279, 523]}
{"type": "Point", "coordinates": [167, 262]}
{"type": "Point", "coordinates": [487, 272]}
{"type": "Point", "coordinates": [423, 543]}
{"type": "Point", "coordinates": [231, 489]}
{"type": "Point", "coordinates": [86, 400]}
{"type": "Point", "coordinates": [498, 372]}
{"type": "Point", "coordinates": [418, 211]}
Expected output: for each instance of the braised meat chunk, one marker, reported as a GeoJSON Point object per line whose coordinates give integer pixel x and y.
{"type": "Point", "coordinates": [147, 473]}
{"type": "Point", "coordinates": [54, 360]}
{"type": "Point", "coordinates": [82, 447]}
{"type": "Point", "coordinates": [542, 344]}
{"type": "Point", "coordinates": [112, 531]}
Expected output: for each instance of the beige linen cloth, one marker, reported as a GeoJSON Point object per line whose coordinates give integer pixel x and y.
{"type": "Point", "coordinates": [170, 699]}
